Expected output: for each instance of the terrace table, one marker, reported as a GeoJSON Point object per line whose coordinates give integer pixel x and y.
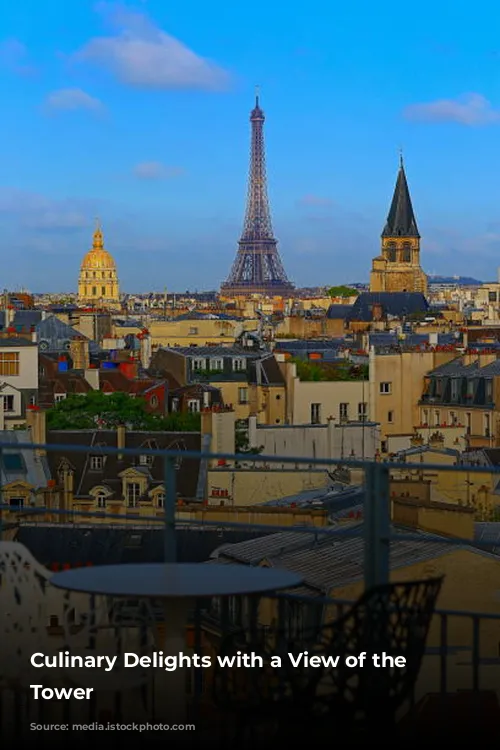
{"type": "Point", "coordinates": [178, 586]}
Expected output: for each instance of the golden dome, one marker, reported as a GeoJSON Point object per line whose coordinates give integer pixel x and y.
{"type": "Point", "coordinates": [98, 257]}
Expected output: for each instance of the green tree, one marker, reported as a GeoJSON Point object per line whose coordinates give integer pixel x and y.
{"type": "Point", "coordinates": [342, 291]}
{"type": "Point", "coordinates": [93, 409]}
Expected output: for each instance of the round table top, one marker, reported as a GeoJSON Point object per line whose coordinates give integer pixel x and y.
{"type": "Point", "coordinates": [174, 580]}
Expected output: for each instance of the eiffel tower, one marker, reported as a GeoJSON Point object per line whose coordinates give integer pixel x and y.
{"type": "Point", "coordinates": [257, 267]}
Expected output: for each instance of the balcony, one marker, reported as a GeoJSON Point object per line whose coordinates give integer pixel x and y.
{"type": "Point", "coordinates": [382, 539]}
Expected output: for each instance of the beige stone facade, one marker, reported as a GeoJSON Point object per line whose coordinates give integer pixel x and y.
{"type": "Point", "coordinates": [398, 269]}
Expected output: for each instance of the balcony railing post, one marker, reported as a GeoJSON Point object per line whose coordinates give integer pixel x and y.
{"type": "Point", "coordinates": [376, 525]}
{"type": "Point", "coordinates": [170, 506]}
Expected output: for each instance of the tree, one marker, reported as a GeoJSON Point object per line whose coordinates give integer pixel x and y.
{"type": "Point", "coordinates": [96, 409]}
{"type": "Point", "coordinates": [342, 291]}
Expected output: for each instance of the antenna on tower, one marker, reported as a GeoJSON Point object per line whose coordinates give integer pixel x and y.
{"type": "Point", "coordinates": [401, 164]}
{"type": "Point", "coordinates": [257, 94]}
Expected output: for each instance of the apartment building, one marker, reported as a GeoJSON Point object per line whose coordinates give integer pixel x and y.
{"type": "Point", "coordinates": [18, 380]}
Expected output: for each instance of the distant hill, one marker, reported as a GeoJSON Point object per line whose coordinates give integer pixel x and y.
{"type": "Point", "coordinates": [458, 280]}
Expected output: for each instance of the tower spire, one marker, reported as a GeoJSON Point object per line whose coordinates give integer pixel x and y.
{"type": "Point", "coordinates": [401, 220]}
{"type": "Point", "coordinates": [258, 266]}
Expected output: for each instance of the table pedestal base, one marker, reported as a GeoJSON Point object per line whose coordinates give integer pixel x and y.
{"type": "Point", "coordinates": [171, 687]}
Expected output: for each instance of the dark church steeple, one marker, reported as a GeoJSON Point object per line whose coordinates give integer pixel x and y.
{"type": "Point", "coordinates": [397, 268]}
{"type": "Point", "coordinates": [401, 220]}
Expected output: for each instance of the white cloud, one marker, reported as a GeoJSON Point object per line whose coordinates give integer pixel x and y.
{"type": "Point", "coordinates": [72, 99]}
{"type": "Point", "coordinates": [155, 170]}
{"type": "Point", "coordinates": [142, 55]}
{"type": "Point", "coordinates": [470, 109]}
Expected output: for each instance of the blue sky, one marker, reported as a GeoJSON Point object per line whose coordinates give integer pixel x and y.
{"type": "Point", "coordinates": [139, 114]}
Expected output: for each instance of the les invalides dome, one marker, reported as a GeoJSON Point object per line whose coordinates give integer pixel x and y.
{"type": "Point", "coordinates": [98, 280]}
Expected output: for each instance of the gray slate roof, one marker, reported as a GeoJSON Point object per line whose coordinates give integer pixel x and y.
{"type": "Point", "coordinates": [328, 561]}
{"type": "Point", "coordinates": [21, 465]}
{"type": "Point", "coordinates": [55, 336]}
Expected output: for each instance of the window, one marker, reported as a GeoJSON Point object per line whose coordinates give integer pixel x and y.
{"type": "Point", "coordinates": [315, 413]}
{"type": "Point", "coordinates": [146, 460]}
{"type": "Point", "coordinates": [9, 363]}
{"type": "Point", "coordinates": [160, 500]}
{"type": "Point", "coordinates": [385, 388]}
{"type": "Point", "coordinates": [437, 417]}
{"type": "Point", "coordinates": [391, 252]}
{"type": "Point", "coordinates": [390, 416]}
{"type": "Point", "coordinates": [153, 401]}
{"type": "Point", "coordinates": [344, 411]}
{"type": "Point", "coordinates": [489, 391]}
{"type": "Point", "coordinates": [238, 365]}
{"type": "Point", "coordinates": [406, 252]}
{"type": "Point", "coordinates": [199, 364]}
{"type": "Point", "coordinates": [362, 411]}
{"type": "Point", "coordinates": [193, 331]}
{"type": "Point", "coordinates": [175, 404]}
{"type": "Point", "coordinates": [216, 364]}
{"type": "Point", "coordinates": [101, 499]}
{"type": "Point", "coordinates": [194, 405]}
{"type": "Point", "coordinates": [383, 446]}
{"type": "Point", "coordinates": [243, 395]}
{"type": "Point", "coordinates": [94, 290]}
{"type": "Point", "coordinates": [32, 400]}
{"type": "Point", "coordinates": [8, 403]}
{"type": "Point", "coordinates": [133, 493]}
{"type": "Point", "coordinates": [487, 426]}
{"type": "Point", "coordinates": [455, 389]}
{"type": "Point", "coordinates": [492, 296]}
{"type": "Point", "coordinates": [96, 463]}
{"type": "Point", "coordinates": [103, 291]}
{"type": "Point", "coordinates": [468, 419]}
{"type": "Point", "coordinates": [425, 416]}
{"type": "Point", "coordinates": [59, 397]}
{"type": "Point", "coordinates": [16, 503]}
{"type": "Point", "coordinates": [453, 418]}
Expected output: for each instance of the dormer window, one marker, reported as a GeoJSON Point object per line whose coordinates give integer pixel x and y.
{"type": "Point", "coordinates": [160, 500]}
{"type": "Point", "coordinates": [216, 364]}
{"type": "Point", "coordinates": [239, 364]}
{"type": "Point", "coordinates": [489, 391]}
{"type": "Point", "coordinates": [199, 364]}
{"type": "Point", "coordinates": [146, 460]}
{"type": "Point", "coordinates": [96, 463]}
{"type": "Point", "coordinates": [133, 493]}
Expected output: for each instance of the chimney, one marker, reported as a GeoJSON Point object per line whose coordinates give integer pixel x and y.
{"type": "Point", "coordinates": [121, 439]}
{"type": "Point", "coordinates": [35, 420]}
{"type": "Point", "coordinates": [145, 349]}
{"type": "Point", "coordinates": [436, 440]}
{"type": "Point", "coordinates": [34, 336]}
{"type": "Point", "coordinates": [80, 353]}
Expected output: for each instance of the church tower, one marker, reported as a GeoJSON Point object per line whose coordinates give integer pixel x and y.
{"type": "Point", "coordinates": [98, 280]}
{"type": "Point", "coordinates": [397, 268]}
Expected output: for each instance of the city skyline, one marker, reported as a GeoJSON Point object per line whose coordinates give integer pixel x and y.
{"type": "Point", "coordinates": [140, 115]}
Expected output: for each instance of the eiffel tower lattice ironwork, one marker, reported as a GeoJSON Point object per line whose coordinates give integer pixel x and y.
{"type": "Point", "coordinates": [257, 267]}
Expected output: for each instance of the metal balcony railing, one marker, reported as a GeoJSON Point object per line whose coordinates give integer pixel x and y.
{"type": "Point", "coordinates": [455, 653]}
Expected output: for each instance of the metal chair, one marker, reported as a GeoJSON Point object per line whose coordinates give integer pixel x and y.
{"type": "Point", "coordinates": [393, 619]}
